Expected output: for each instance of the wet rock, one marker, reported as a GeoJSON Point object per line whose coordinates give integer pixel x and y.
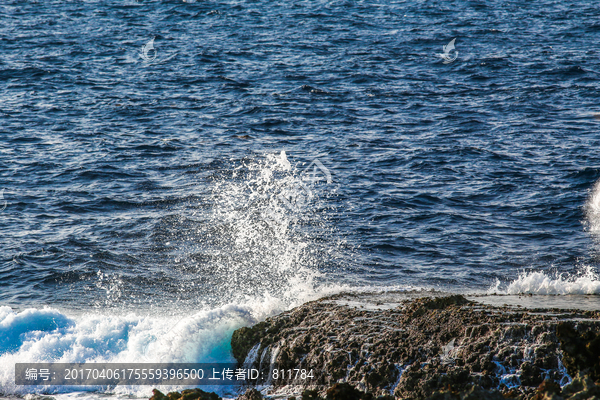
{"type": "Point", "coordinates": [344, 391]}
{"type": "Point", "coordinates": [197, 394]}
{"type": "Point", "coordinates": [548, 390]}
{"type": "Point", "coordinates": [581, 348]}
{"type": "Point", "coordinates": [443, 302]}
{"type": "Point", "coordinates": [310, 395]}
{"type": "Point", "coordinates": [582, 387]}
{"type": "Point", "coordinates": [474, 393]}
{"type": "Point", "coordinates": [188, 394]}
{"type": "Point", "coordinates": [157, 395]}
{"type": "Point", "coordinates": [244, 339]}
{"type": "Point", "coordinates": [478, 393]}
{"type": "Point", "coordinates": [434, 346]}
{"type": "Point", "coordinates": [251, 394]}
{"type": "Point", "coordinates": [531, 375]}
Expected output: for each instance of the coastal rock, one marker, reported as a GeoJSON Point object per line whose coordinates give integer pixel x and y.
{"type": "Point", "coordinates": [581, 348]}
{"type": "Point", "coordinates": [474, 393]}
{"type": "Point", "coordinates": [433, 346]}
{"type": "Point", "coordinates": [187, 394]}
{"type": "Point", "coordinates": [344, 391]}
{"type": "Point", "coordinates": [251, 394]}
{"type": "Point", "coordinates": [582, 387]}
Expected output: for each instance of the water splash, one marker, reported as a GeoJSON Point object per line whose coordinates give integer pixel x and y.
{"type": "Point", "coordinates": [256, 229]}
{"type": "Point", "coordinates": [266, 233]}
{"type": "Point", "coordinates": [586, 282]}
{"type": "Point", "coordinates": [237, 249]}
{"type": "Point", "coordinates": [49, 335]}
{"type": "Point", "coordinates": [112, 285]}
{"type": "Point", "coordinates": [592, 211]}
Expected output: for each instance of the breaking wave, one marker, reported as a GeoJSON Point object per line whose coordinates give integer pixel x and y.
{"type": "Point", "coordinates": [257, 249]}
{"type": "Point", "coordinates": [585, 283]}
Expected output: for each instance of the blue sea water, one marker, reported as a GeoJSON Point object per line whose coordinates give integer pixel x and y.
{"type": "Point", "coordinates": [173, 170]}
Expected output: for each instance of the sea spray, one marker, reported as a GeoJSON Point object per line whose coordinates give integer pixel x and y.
{"type": "Point", "coordinates": [585, 281]}
{"type": "Point", "coordinates": [252, 249]}
{"type": "Point", "coordinates": [265, 234]}
{"type": "Point", "coordinates": [202, 336]}
{"type": "Point", "coordinates": [592, 211]}
{"type": "Point", "coordinates": [535, 282]}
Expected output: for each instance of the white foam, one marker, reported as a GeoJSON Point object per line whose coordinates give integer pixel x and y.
{"type": "Point", "coordinates": [201, 337]}
{"type": "Point", "coordinates": [587, 282]}
{"type": "Point", "coordinates": [270, 227]}
{"type": "Point", "coordinates": [592, 211]}
{"type": "Point", "coordinates": [51, 335]}
{"type": "Point", "coordinates": [258, 260]}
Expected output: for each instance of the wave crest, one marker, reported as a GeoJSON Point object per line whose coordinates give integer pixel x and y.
{"type": "Point", "coordinates": [586, 283]}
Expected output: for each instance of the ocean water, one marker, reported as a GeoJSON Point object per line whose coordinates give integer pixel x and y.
{"type": "Point", "coordinates": [171, 171]}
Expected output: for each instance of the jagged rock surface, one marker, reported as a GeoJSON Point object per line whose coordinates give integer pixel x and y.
{"type": "Point", "coordinates": [444, 346]}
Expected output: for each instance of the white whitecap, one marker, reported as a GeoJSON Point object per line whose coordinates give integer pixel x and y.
{"type": "Point", "coordinates": [586, 283]}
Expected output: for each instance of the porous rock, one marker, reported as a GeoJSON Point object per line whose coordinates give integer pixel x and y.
{"type": "Point", "coordinates": [251, 394]}
{"type": "Point", "coordinates": [433, 346]}
{"type": "Point", "coordinates": [187, 394]}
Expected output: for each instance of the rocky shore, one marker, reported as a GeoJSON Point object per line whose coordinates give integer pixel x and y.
{"type": "Point", "coordinates": [435, 347]}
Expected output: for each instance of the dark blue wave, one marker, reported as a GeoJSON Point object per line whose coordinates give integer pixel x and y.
{"type": "Point", "coordinates": [449, 175]}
